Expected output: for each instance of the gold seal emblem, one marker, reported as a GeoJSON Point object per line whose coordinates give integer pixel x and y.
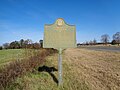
{"type": "Point", "coordinates": [60, 22]}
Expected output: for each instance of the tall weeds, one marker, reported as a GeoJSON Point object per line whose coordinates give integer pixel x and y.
{"type": "Point", "coordinates": [19, 67]}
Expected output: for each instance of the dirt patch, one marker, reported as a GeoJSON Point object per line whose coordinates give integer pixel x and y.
{"type": "Point", "coordinates": [99, 69]}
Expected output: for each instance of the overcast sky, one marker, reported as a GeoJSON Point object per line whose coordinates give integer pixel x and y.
{"type": "Point", "coordinates": [26, 18]}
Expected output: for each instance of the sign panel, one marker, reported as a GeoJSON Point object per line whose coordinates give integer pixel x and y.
{"type": "Point", "coordinates": [59, 35]}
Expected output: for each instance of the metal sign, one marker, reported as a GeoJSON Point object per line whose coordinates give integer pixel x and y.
{"type": "Point", "coordinates": [59, 36]}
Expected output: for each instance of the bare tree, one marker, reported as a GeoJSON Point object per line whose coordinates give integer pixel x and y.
{"type": "Point", "coordinates": [94, 41]}
{"type": "Point", "coordinates": [21, 43]}
{"type": "Point", "coordinates": [26, 43]}
{"type": "Point", "coordinates": [90, 42]}
{"type": "Point", "coordinates": [116, 37]}
{"type": "Point", "coordinates": [86, 43]}
{"type": "Point", "coordinates": [6, 45]}
{"type": "Point", "coordinates": [14, 45]}
{"type": "Point", "coordinates": [105, 38]}
{"type": "Point", "coordinates": [29, 41]}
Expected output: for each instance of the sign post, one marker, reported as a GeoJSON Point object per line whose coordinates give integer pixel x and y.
{"type": "Point", "coordinates": [60, 67]}
{"type": "Point", "coordinates": [59, 36]}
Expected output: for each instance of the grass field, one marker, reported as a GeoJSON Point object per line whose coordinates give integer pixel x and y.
{"type": "Point", "coordinates": [82, 70]}
{"type": "Point", "coordinates": [9, 55]}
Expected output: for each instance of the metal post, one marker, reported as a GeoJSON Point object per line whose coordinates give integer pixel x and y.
{"type": "Point", "coordinates": [60, 67]}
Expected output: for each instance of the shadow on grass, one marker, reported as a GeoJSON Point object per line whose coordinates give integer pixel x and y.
{"type": "Point", "coordinates": [49, 70]}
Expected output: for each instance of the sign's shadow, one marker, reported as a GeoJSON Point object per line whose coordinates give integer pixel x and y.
{"type": "Point", "coordinates": [49, 70]}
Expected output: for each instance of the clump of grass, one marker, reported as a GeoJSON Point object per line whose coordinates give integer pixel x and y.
{"type": "Point", "coordinates": [15, 69]}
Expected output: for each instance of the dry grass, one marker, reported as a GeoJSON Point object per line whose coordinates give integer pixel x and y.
{"type": "Point", "coordinates": [82, 70]}
{"type": "Point", "coordinates": [99, 69]}
{"type": "Point", "coordinates": [15, 69]}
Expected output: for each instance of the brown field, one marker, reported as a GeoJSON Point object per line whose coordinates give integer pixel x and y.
{"type": "Point", "coordinates": [99, 69]}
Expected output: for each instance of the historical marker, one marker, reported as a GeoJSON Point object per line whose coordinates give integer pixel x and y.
{"type": "Point", "coordinates": [59, 36]}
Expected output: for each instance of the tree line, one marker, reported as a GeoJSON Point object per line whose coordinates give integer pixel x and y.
{"type": "Point", "coordinates": [22, 44]}
{"type": "Point", "coordinates": [29, 44]}
{"type": "Point", "coordinates": [105, 39]}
